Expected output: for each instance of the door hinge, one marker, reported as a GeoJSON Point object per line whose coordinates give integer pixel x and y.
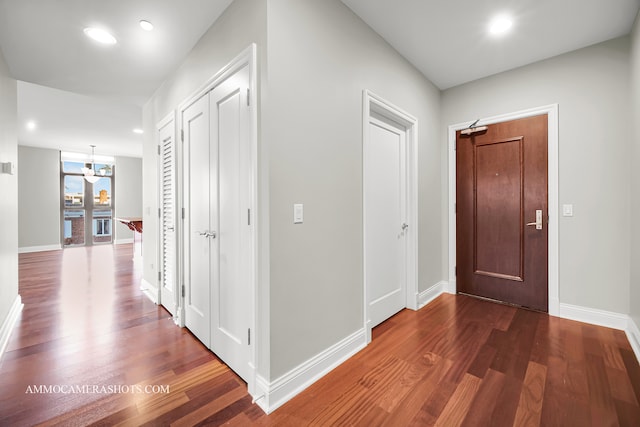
{"type": "Point", "coordinates": [455, 271]}
{"type": "Point", "coordinates": [248, 216]}
{"type": "Point", "coordinates": [158, 150]}
{"type": "Point", "coordinates": [182, 135]}
{"type": "Point", "coordinates": [159, 276]}
{"type": "Point", "coordinates": [159, 213]}
{"type": "Point", "coordinates": [183, 291]}
{"type": "Point", "coordinates": [182, 213]}
{"type": "Point", "coordinates": [249, 336]}
{"type": "Point", "coordinates": [455, 208]}
{"type": "Point", "coordinates": [248, 97]}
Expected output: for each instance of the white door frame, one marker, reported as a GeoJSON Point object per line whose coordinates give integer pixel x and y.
{"type": "Point", "coordinates": [168, 120]}
{"type": "Point", "coordinates": [248, 58]}
{"type": "Point", "coordinates": [373, 103]}
{"type": "Point", "coordinates": [553, 173]}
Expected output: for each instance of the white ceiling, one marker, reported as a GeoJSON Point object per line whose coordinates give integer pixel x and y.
{"type": "Point", "coordinates": [43, 43]}
{"type": "Point", "coordinates": [70, 121]}
{"type": "Point", "coordinates": [98, 90]}
{"type": "Point", "coordinates": [448, 40]}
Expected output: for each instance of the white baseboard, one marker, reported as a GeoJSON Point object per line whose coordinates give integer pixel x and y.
{"type": "Point", "coordinates": [633, 335]}
{"type": "Point", "coordinates": [271, 395]}
{"type": "Point", "coordinates": [450, 287]}
{"type": "Point", "coordinates": [123, 241]}
{"type": "Point", "coordinates": [594, 316]}
{"type": "Point", "coordinates": [29, 249]}
{"type": "Point", "coordinates": [428, 295]}
{"type": "Point", "coordinates": [7, 326]}
{"type": "Point", "coordinates": [150, 291]}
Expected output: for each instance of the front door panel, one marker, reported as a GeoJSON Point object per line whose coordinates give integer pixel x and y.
{"type": "Point", "coordinates": [501, 183]}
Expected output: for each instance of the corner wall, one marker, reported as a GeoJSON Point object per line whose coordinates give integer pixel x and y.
{"type": "Point", "coordinates": [634, 159]}
{"type": "Point", "coordinates": [321, 58]}
{"type": "Point", "coordinates": [128, 195]}
{"type": "Point", "coordinates": [38, 199]}
{"type": "Point", "coordinates": [591, 86]}
{"type": "Point", "coordinates": [9, 298]}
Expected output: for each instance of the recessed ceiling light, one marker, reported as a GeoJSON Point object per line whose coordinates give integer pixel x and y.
{"type": "Point", "coordinates": [99, 35]}
{"type": "Point", "coordinates": [500, 25]}
{"type": "Point", "coordinates": [146, 25]}
{"type": "Point", "coordinates": [31, 125]}
{"type": "Point", "coordinates": [138, 131]}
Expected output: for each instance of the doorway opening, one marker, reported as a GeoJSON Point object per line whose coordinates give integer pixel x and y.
{"type": "Point", "coordinates": [390, 217]}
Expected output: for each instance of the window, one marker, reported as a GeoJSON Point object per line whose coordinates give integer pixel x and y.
{"type": "Point", "coordinates": [102, 226]}
{"type": "Point", "coordinates": [87, 209]}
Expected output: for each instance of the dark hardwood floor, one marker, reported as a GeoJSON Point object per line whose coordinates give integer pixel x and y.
{"type": "Point", "coordinates": [458, 361]}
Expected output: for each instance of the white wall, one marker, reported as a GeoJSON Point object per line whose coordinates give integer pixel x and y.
{"type": "Point", "coordinates": [38, 197]}
{"type": "Point", "coordinates": [8, 192]}
{"type": "Point", "coordinates": [321, 57]}
{"type": "Point", "coordinates": [127, 194]}
{"type": "Point", "coordinates": [591, 86]}
{"type": "Point", "coordinates": [634, 159]}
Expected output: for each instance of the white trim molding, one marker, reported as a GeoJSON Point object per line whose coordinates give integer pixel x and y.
{"type": "Point", "coordinates": [553, 189]}
{"type": "Point", "coordinates": [123, 241]}
{"type": "Point", "coordinates": [43, 248]}
{"type": "Point", "coordinates": [150, 291]}
{"type": "Point", "coordinates": [271, 395]}
{"type": "Point", "coordinates": [633, 335]}
{"type": "Point", "coordinates": [428, 295]}
{"type": "Point", "coordinates": [594, 316]}
{"type": "Point", "coordinates": [7, 326]}
{"type": "Point", "coordinates": [372, 103]}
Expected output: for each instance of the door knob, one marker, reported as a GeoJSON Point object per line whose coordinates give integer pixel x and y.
{"type": "Point", "coordinates": [538, 222]}
{"type": "Point", "coordinates": [404, 226]}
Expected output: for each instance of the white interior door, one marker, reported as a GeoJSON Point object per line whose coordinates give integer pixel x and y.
{"type": "Point", "coordinates": [168, 262]}
{"type": "Point", "coordinates": [218, 227]}
{"type": "Point", "coordinates": [198, 234]}
{"type": "Point", "coordinates": [231, 278]}
{"type": "Point", "coordinates": [385, 216]}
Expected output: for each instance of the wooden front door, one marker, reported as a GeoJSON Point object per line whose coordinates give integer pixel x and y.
{"type": "Point", "coordinates": [502, 212]}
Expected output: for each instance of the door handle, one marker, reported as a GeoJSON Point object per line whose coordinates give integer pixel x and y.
{"type": "Point", "coordinates": [170, 228]}
{"type": "Point", "coordinates": [207, 233]}
{"type": "Point", "coordinates": [538, 222]}
{"type": "Point", "coordinates": [404, 226]}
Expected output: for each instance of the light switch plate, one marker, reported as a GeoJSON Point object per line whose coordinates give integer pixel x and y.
{"type": "Point", "coordinates": [298, 213]}
{"type": "Point", "coordinates": [567, 210]}
{"type": "Point", "coordinates": [8, 168]}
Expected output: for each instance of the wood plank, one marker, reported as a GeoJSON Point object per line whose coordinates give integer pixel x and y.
{"type": "Point", "coordinates": [458, 405]}
{"type": "Point", "coordinates": [532, 395]}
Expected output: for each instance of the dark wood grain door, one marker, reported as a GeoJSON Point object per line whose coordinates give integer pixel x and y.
{"type": "Point", "coordinates": [502, 212]}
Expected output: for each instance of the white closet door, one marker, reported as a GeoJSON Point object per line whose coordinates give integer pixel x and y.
{"type": "Point", "coordinates": [385, 219]}
{"type": "Point", "coordinates": [230, 137]}
{"type": "Point", "coordinates": [167, 161]}
{"type": "Point", "coordinates": [198, 236]}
